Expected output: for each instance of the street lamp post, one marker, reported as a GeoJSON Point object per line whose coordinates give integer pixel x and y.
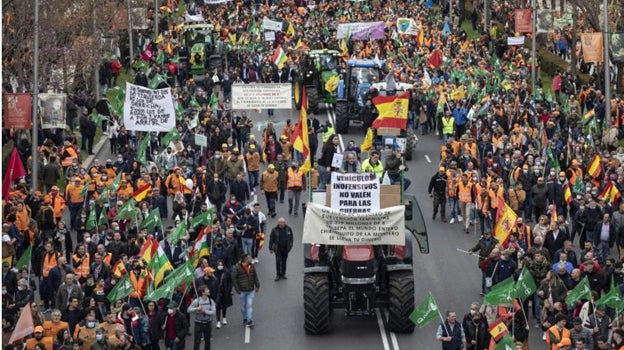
{"type": "Point", "coordinates": [35, 112]}
{"type": "Point", "coordinates": [533, 46]}
{"type": "Point", "coordinates": [605, 60]}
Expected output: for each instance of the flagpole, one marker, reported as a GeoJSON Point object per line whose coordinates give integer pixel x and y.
{"type": "Point", "coordinates": [441, 318]}
{"type": "Point", "coordinates": [35, 108]}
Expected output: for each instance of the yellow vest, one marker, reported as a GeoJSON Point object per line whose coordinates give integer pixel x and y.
{"type": "Point", "coordinates": [447, 125]}
{"type": "Point", "coordinates": [294, 179]}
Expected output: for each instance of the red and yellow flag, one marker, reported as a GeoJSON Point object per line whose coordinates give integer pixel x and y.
{"type": "Point", "coordinates": [553, 213]}
{"type": "Point", "coordinates": [567, 193]}
{"type": "Point", "coordinates": [299, 137]}
{"type": "Point", "coordinates": [148, 249]}
{"type": "Point", "coordinates": [119, 269]}
{"type": "Point", "coordinates": [505, 222]}
{"type": "Point", "coordinates": [610, 193]}
{"type": "Point", "coordinates": [498, 330]}
{"type": "Point", "coordinates": [392, 111]}
{"type": "Point", "coordinates": [594, 167]}
{"type": "Point", "coordinates": [142, 192]}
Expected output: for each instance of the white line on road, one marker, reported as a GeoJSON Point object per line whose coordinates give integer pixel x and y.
{"type": "Point", "coordinates": [382, 330]}
{"type": "Point", "coordinates": [427, 158]}
{"type": "Point", "coordinates": [395, 342]}
{"type": "Point", "coordinates": [247, 335]}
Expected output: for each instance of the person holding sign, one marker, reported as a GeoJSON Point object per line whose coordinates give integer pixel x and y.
{"type": "Point", "coordinates": [395, 166]}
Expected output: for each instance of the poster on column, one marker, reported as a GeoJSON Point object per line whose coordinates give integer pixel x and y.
{"type": "Point", "coordinates": [544, 21]}
{"type": "Point", "coordinates": [591, 44]}
{"type": "Point", "coordinates": [355, 193]}
{"type": "Point", "coordinates": [523, 19]}
{"type": "Point", "coordinates": [52, 111]}
{"type": "Point", "coordinates": [17, 110]}
{"type": "Point", "coordinates": [148, 110]}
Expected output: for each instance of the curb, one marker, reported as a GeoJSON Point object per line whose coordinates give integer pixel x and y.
{"type": "Point", "coordinates": [96, 150]}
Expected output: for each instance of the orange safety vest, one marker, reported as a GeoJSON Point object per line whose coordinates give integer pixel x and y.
{"type": "Point", "coordinates": [107, 258]}
{"type": "Point", "coordinates": [452, 189]}
{"type": "Point", "coordinates": [82, 270]}
{"type": "Point", "coordinates": [139, 285]}
{"type": "Point", "coordinates": [465, 192]}
{"type": "Point", "coordinates": [49, 262]}
{"type": "Point", "coordinates": [553, 332]}
{"type": "Point", "coordinates": [295, 180]}
{"type": "Point", "coordinates": [494, 196]}
{"type": "Point", "coordinates": [74, 193]}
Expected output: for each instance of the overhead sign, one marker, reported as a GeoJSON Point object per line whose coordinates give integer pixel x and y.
{"type": "Point", "coordinates": [324, 225]}
{"type": "Point", "coordinates": [201, 140]}
{"type": "Point", "coordinates": [355, 193]}
{"type": "Point", "coordinates": [17, 110]}
{"type": "Point", "coordinates": [361, 30]}
{"type": "Point", "coordinates": [253, 96]}
{"type": "Point", "coordinates": [52, 107]}
{"type": "Point", "coordinates": [268, 24]}
{"type": "Point", "coordinates": [148, 110]}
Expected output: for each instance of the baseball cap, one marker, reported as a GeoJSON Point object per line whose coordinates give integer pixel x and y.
{"type": "Point", "coordinates": [271, 166]}
{"type": "Point", "coordinates": [38, 329]}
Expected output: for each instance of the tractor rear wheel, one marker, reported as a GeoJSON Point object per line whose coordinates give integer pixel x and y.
{"type": "Point", "coordinates": [297, 93]}
{"type": "Point", "coordinates": [316, 303]}
{"type": "Point", "coordinates": [410, 143]}
{"type": "Point", "coordinates": [401, 295]}
{"type": "Point", "coordinates": [342, 117]}
{"type": "Point", "coordinates": [313, 99]}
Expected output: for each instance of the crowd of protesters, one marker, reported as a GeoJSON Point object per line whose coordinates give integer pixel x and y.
{"type": "Point", "coordinates": [534, 148]}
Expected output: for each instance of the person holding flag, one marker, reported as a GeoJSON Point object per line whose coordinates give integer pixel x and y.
{"type": "Point", "coordinates": [451, 333]}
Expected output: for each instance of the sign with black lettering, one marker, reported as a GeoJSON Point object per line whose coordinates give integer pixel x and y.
{"type": "Point", "coordinates": [324, 225]}
{"type": "Point", "coordinates": [148, 110]}
{"type": "Point", "coordinates": [262, 96]}
{"type": "Point", "coordinates": [354, 193]}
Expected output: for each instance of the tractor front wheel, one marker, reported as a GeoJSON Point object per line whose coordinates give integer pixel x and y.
{"type": "Point", "coordinates": [316, 303]}
{"type": "Point", "coordinates": [342, 117]}
{"type": "Point", "coordinates": [401, 295]}
{"type": "Point", "coordinates": [313, 99]}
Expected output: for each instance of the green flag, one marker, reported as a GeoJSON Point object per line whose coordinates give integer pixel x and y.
{"type": "Point", "coordinates": [179, 231]}
{"type": "Point", "coordinates": [92, 220]}
{"type": "Point", "coordinates": [506, 343]}
{"type": "Point", "coordinates": [128, 210]}
{"type": "Point", "coordinates": [501, 294]}
{"type": "Point", "coordinates": [581, 291]}
{"type": "Point", "coordinates": [103, 197]}
{"type": "Point", "coordinates": [141, 65]}
{"type": "Point", "coordinates": [141, 152]}
{"type": "Point", "coordinates": [170, 136]}
{"type": "Point", "coordinates": [24, 260]}
{"type": "Point", "coordinates": [119, 100]}
{"type": "Point", "coordinates": [203, 218]}
{"type": "Point", "coordinates": [85, 189]}
{"type": "Point", "coordinates": [121, 290]}
{"type": "Point", "coordinates": [182, 274]}
{"type": "Point", "coordinates": [425, 312]}
{"type": "Point", "coordinates": [102, 219]}
{"type": "Point", "coordinates": [155, 82]}
{"type": "Point", "coordinates": [214, 101]}
{"type": "Point", "coordinates": [163, 292]}
{"type": "Point", "coordinates": [179, 109]}
{"type": "Point", "coordinates": [613, 298]}
{"type": "Point", "coordinates": [116, 183]}
{"type": "Point", "coordinates": [579, 186]}
{"type": "Point", "coordinates": [160, 58]}
{"type": "Point", "coordinates": [152, 220]}
{"type": "Point", "coordinates": [549, 96]}
{"type": "Point", "coordinates": [525, 285]}
{"type": "Point", "coordinates": [552, 160]}
{"type": "Point", "coordinates": [194, 102]}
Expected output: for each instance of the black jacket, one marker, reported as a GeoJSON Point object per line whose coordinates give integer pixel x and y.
{"type": "Point", "coordinates": [242, 281]}
{"type": "Point", "coordinates": [274, 243]}
{"type": "Point", "coordinates": [598, 230]}
{"type": "Point", "coordinates": [438, 183]}
{"type": "Point", "coordinates": [180, 324]}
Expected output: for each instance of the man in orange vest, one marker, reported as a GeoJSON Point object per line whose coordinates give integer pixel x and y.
{"type": "Point", "coordinates": [74, 199]}
{"type": "Point", "coordinates": [558, 334]}
{"type": "Point", "coordinates": [58, 203]}
{"type": "Point", "coordinates": [49, 261]}
{"type": "Point", "coordinates": [464, 190]}
{"type": "Point", "coordinates": [295, 185]}
{"type": "Point", "coordinates": [39, 338]}
{"type": "Point", "coordinates": [81, 263]}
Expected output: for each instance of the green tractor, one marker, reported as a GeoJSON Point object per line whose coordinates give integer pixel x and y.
{"type": "Point", "coordinates": [319, 67]}
{"type": "Point", "coordinates": [200, 52]}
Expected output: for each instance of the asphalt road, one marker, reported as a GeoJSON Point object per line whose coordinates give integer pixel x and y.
{"type": "Point", "coordinates": [452, 277]}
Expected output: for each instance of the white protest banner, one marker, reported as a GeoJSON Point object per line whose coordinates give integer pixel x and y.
{"type": "Point", "coordinates": [269, 36]}
{"type": "Point", "coordinates": [268, 24]}
{"type": "Point", "coordinates": [337, 160]}
{"type": "Point", "coordinates": [322, 225]}
{"type": "Point", "coordinates": [262, 96]}
{"type": "Point", "coordinates": [361, 30]}
{"type": "Point", "coordinates": [515, 40]}
{"type": "Point", "coordinates": [148, 110]}
{"type": "Point", "coordinates": [52, 111]}
{"type": "Point", "coordinates": [355, 193]}
{"type": "Point", "coordinates": [193, 18]}
{"type": "Point", "coordinates": [215, 2]}
{"type": "Point", "coordinates": [201, 140]}
{"type": "Point", "coordinates": [407, 26]}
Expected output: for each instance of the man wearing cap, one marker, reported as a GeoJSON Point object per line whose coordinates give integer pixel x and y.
{"type": "Point", "coordinates": [58, 203]}
{"type": "Point", "coordinates": [39, 338]}
{"type": "Point", "coordinates": [579, 332]}
{"type": "Point", "coordinates": [233, 166]}
{"type": "Point", "coordinates": [268, 186]}
{"type": "Point", "coordinates": [253, 165]}
{"type": "Point", "coordinates": [209, 280]}
{"type": "Point", "coordinates": [437, 190]}
{"type": "Point", "coordinates": [204, 309]}
{"type": "Point", "coordinates": [174, 327]}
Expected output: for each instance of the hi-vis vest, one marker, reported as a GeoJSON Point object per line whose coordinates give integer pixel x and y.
{"type": "Point", "coordinates": [465, 192]}
{"type": "Point", "coordinates": [447, 125]}
{"type": "Point", "coordinates": [49, 262]}
{"type": "Point", "coordinates": [82, 270]}
{"type": "Point", "coordinates": [329, 132]}
{"type": "Point", "coordinates": [295, 180]}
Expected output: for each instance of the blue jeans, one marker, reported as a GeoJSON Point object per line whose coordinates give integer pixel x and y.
{"type": "Point", "coordinates": [603, 250]}
{"type": "Point", "coordinates": [537, 308]}
{"type": "Point", "coordinates": [454, 201]}
{"type": "Point", "coordinates": [324, 177]}
{"type": "Point", "coordinates": [246, 304]}
{"type": "Point", "coordinates": [396, 180]}
{"type": "Point", "coordinates": [248, 245]}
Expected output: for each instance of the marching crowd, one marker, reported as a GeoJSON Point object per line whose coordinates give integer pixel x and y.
{"type": "Point", "coordinates": [550, 153]}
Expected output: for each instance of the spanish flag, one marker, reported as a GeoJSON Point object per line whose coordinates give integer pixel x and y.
{"type": "Point", "coordinates": [299, 137]}
{"type": "Point", "coordinates": [392, 111]}
{"type": "Point", "coordinates": [498, 330]}
{"type": "Point", "coordinates": [606, 192]}
{"type": "Point", "coordinates": [595, 168]}
{"type": "Point", "coordinates": [505, 222]}
{"type": "Point", "coordinates": [119, 269]}
{"type": "Point", "coordinates": [553, 213]}
{"type": "Point", "coordinates": [567, 193]}
{"type": "Point", "coordinates": [142, 192]}
{"type": "Point", "coordinates": [148, 249]}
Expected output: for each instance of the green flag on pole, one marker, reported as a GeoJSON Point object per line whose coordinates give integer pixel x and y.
{"type": "Point", "coordinates": [552, 160]}
{"type": "Point", "coordinates": [141, 151]}
{"type": "Point", "coordinates": [128, 210]}
{"type": "Point", "coordinates": [613, 298]}
{"type": "Point", "coordinates": [158, 79]}
{"type": "Point", "coordinates": [581, 291]}
{"type": "Point", "coordinates": [525, 285]}
{"type": "Point", "coordinates": [24, 260]}
{"type": "Point", "coordinates": [152, 220]}
{"type": "Point", "coordinates": [170, 136]}
{"type": "Point", "coordinates": [179, 231]}
{"type": "Point", "coordinates": [182, 274]}
{"type": "Point", "coordinates": [116, 183]}
{"type": "Point", "coordinates": [425, 312]}
{"type": "Point", "coordinates": [203, 218]}
{"type": "Point", "coordinates": [506, 343]}
{"type": "Point", "coordinates": [121, 290]}
{"type": "Point", "coordinates": [502, 293]}
{"type": "Point", "coordinates": [85, 189]}
{"type": "Point", "coordinates": [160, 58]}
{"type": "Point", "coordinates": [163, 292]}
{"type": "Point", "coordinates": [92, 220]}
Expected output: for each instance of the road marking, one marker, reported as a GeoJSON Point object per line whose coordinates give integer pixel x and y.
{"type": "Point", "coordinates": [395, 342]}
{"type": "Point", "coordinates": [382, 330]}
{"type": "Point", "coordinates": [331, 115]}
{"type": "Point", "coordinates": [247, 335]}
{"type": "Point", "coordinates": [427, 158]}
